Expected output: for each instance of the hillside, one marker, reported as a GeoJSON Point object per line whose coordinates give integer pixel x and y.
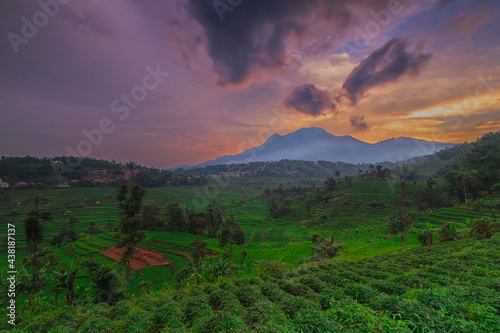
{"type": "Point", "coordinates": [63, 172]}
{"type": "Point", "coordinates": [444, 288]}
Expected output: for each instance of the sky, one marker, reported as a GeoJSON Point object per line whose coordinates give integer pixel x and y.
{"type": "Point", "coordinates": [176, 82]}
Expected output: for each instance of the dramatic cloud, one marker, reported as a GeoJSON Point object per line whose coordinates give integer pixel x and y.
{"type": "Point", "coordinates": [246, 38]}
{"type": "Point", "coordinates": [384, 65]}
{"type": "Point", "coordinates": [358, 122]}
{"type": "Point", "coordinates": [309, 100]}
{"type": "Point", "coordinates": [61, 76]}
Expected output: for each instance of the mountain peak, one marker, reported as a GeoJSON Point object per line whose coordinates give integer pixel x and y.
{"type": "Point", "coordinates": [314, 144]}
{"type": "Point", "coordinates": [310, 130]}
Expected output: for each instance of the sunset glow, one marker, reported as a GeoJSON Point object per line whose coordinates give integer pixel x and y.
{"type": "Point", "coordinates": [181, 82]}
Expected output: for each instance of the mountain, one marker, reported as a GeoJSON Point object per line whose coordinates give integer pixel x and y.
{"type": "Point", "coordinates": [314, 144]}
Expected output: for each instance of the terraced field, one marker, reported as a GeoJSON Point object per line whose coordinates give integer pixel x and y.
{"type": "Point", "coordinates": [356, 216]}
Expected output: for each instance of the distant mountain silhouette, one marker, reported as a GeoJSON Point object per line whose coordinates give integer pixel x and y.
{"type": "Point", "coordinates": [314, 144]}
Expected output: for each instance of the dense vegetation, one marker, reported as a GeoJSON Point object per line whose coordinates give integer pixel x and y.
{"type": "Point", "coordinates": [442, 288]}
{"type": "Point", "coordinates": [476, 171]}
{"type": "Point", "coordinates": [33, 172]}
{"type": "Point", "coordinates": [288, 168]}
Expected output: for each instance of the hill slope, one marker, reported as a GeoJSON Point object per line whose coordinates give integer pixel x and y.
{"type": "Point", "coordinates": [450, 287]}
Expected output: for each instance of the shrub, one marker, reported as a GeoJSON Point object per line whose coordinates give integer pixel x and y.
{"type": "Point", "coordinates": [167, 315]}
{"type": "Point", "coordinates": [248, 295]}
{"type": "Point", "coordinates": [314, 283]}
{"type": "Point", "coordinates": [314, 321]}
{"type": "Point", "coordinates": [121, 308]}
{"type": "Point", "coordinates": [274, 268]}
{"type": "Point", "coordinates": [220, 322]}
{"type": "Point", "coordinates": [483, 228]}
{"type": "Point", "coordinates": [196, 307]}
{"type": "Point", "coordinates": [292, 305]}
{"type": "Point", "coordinates": [94, 324]}
{"type": "Point", "coordinates": [388, 287]}
{"type": "Point", "coordinates": [263, 312]}
{"type": "Point", "coordinates": [223, 300]}
{"type": "Point", "coordinates": [363, 294]}
{"type": "Point", "coordinates": [296, 289]}
{"type": "Point", "coordinates": [273, 292]}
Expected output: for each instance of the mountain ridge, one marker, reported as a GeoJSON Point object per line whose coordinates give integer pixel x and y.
{"type": "Point", "coordinates": [314, 144]}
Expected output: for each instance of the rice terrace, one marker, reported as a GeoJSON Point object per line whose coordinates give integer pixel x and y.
{"type": "Point", "coordinates": [295, 166]}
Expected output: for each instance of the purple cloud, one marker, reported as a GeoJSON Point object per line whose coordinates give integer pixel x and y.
{"type": "Point", "coordinates": [358, 122]}
{"type": "Point", "coordinates": [309, 100]}
{"type": "Point", "coordinates": [384, 65]}
{"type": "Point", "coordinates": [247, 37]}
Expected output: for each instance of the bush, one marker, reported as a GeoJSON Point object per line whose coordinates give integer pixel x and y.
{"type": "Point", "coordinates": [263, 312]}
{"type": "Point", "coordinates": [220, 322]}
{"type": "Point", "coordinates": [296, 289]}
{"type": "Point", "coordinates": [484, 228]}
{"type": "Point", "coordinates": [248, 295]}
{"type": "Point", "coordinates": [139, 320]}
{"type": "Point", "coordinates": [315, 321]}
{"type": "Point", "coordinates": [223, 300]}
{"type": "Point", "coordinates": [293, 305]}
{"type": "Point", "coordinates": [388, 287]}
{"type": "Point", "coordinates": [361, 293]}
{"type": "Point", "coordinates": [273, 292]}
{"type": "Point", "coordinates": [167, 315]}
{"type": "Point", "coordinates": [197, 307]}
{"type": "Point", "coordinates": [95, 324]}
{"type": "Point", "coordinates": [274, 268]}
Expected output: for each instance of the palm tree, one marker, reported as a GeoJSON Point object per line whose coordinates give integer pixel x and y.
{"type": "Point", "coordinates": [326, 247]}
{"type": "Point", "coordinates": [65, 282]}
{"type": "Point", "coordinates": [31, 284]}
{"type": "Point", "coordinates": [425, 236]}
{"type": "Point", "coordinates": [449, 232]}
{"type": "Point", "coordinates": [216, 267]}
{"type": "Point", "coordinates": [194, 269]}
{"type": "Point", "coordinates": [60, 280]}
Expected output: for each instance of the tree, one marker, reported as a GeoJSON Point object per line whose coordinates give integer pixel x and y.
{"type": "Point", "coordinates": [151, 217]}
{"type": "Point", "coordinates": [33, 229]}
{"type": "Point", "coordinates": [175, 218]}
{"type": "Point", "coordinates": [194, 269]}
{"type": "Point", "coordinates": [380, 171]}
{"type": "Point", "coordinates": [108, 281]}
{"type": "Point", "coordinates": [65, 282]}
{"type": "Point", "coordinates": [429, 197]}
{"type": "Point", "coordinates": [330, 184]}
{"type": "Point", "coordinates": [405, 189]}
{"type": "Point", "coordinates": [130, 222]}
{"type": "Point", "coordinates": [200, 251]}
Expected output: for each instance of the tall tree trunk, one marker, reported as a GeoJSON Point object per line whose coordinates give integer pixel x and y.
{"type": "Point", "coordinates": [404, 202]}
{"type": "Point", "coordinates": [70, 295]}
{"type": "Point", "coordinates": [128, 274]}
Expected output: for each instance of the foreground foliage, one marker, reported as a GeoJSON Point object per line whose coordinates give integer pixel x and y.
{"type": "Point", "coordinates": [447, 287]}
